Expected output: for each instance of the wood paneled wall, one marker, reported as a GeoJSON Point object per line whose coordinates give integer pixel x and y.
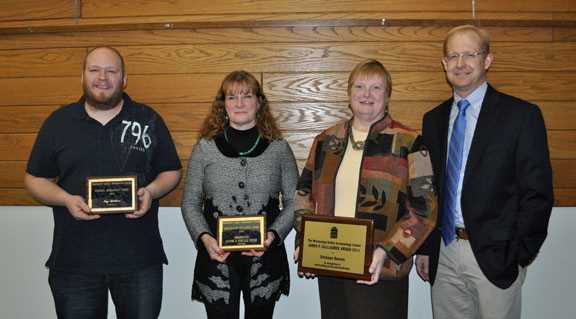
{"type": "Point", "coordinates": [178, 51]}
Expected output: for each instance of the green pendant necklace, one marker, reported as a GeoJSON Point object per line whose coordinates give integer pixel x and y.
{"type": "Point", "coordinates": [252, 148]}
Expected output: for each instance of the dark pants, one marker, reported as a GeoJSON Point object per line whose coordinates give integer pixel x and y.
{"type": "Point", "coordinates": [239, 267]}
{"type": "Point", "coordinates": [345, 299]}
{"type": "Point", "coordinates": [136, 295]}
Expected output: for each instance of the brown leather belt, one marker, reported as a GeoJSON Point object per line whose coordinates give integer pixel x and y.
{"type": "Point", "coordinates": [461, 233]}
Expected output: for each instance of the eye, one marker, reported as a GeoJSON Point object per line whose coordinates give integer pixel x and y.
{"type": "Point", "coordinates": [452, 56]}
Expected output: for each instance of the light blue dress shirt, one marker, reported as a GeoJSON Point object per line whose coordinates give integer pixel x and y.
{"type": "Point", "coordinates": [472, 112]}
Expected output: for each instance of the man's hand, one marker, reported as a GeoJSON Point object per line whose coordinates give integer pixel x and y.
{"type": "Point", "coordinates": [144, 203]}
{"type": "Point", "coordinates": [422, 263]}
{"type": "Point", "coordinates": [216, 253]}
{"type": "Point", "coordinates": [78, 208]}
{"type": "Point", "coordinates": [378, 257]}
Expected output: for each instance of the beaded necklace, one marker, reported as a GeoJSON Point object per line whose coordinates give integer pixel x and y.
{"type": "Point", "coordinates": [252, 148]}
{"type": "Point", "coordinates": [357, 145]}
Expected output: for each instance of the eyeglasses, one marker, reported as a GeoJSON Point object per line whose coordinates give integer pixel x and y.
{"type": "Point", "coordinates": [466, 56]}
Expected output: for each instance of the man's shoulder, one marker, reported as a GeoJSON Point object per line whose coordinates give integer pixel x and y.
{"type": "Point", "coordinates": [514, 104]}
{"type": "Point", "coordinates": [141, 110]}
{"type": "Point", "coordinates": [437, 110]}
{"type": "Point", "coordinates": [65, 112]}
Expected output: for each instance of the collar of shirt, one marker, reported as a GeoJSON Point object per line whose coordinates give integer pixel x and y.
{"type": "Point", "coordinates": [80, 110]}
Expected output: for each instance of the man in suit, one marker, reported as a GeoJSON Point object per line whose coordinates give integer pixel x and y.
{"type": "Point", "coordinates": [494, 180]}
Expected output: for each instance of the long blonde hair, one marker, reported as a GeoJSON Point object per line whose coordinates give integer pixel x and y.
{"type": "Point", "coordinates": [217, 120]}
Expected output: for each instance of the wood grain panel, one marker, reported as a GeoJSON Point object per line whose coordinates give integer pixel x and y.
{"type": "Point", "coordinates": [416, 86]}
{"type": "Point", "coordinates": [161, 88]}
{"type": "Point", "coordinates": [280, 57]}
{"type": "Point", "coordinates": [111, 8]}
{"type": "Point", "coordinates": [270, 35]}
{"type": "Point", "coordinates": [12, 174]}
{"type": "Point", "coordinates": [564, 173]}
{"type": "Point", "coordinates": [40, 91]}
{"type": "Point", "coordinates": [565, 197]}
{"type": "Point", "coordinates": [526, 5]}
{"type": "Point", "coordinates": [17, 196]}
{"type": "Point", "coordinates": [562, 144]}
{"type": "Point", "coordinates": [16, 147]}
{"type": "Point", "coordinates": [23, 119]}
{"type": "Point", "coordinates": [36, 9]}
{"type": "Point", "coordinates": [397, 56]}
{"type": "Point", "coordinates": [55, 62]}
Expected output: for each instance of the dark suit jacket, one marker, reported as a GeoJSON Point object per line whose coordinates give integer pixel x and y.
{"type": "Point", "coordinates": [507, 188]}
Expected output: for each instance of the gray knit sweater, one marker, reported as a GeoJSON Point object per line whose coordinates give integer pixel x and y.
{"type": "Point", "coordinates": [239, 186]}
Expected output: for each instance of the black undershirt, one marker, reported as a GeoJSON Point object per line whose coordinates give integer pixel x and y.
{"type": "Point", "coordinates": [232, 141]}
{"type": "Point", "coordinates": [242, 141]}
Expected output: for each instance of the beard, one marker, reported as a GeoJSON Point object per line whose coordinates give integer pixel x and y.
{"type": "Point", "coordinates": [101, 102]}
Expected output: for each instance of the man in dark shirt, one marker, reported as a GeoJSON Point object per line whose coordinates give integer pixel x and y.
{"type": "Point", "coordinates": [105, 133]}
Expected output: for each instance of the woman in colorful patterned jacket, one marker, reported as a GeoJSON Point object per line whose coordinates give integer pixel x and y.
{"type": "Point", "coordinates": [371, 167]}
{"type": "Point", "coordinates": [241, 166]}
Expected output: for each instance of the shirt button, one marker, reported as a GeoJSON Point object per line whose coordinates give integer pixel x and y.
{"type": "Point", "coordinates": [239, 208]}
{"type": "Point", "coordinates": [241, 185]}
{"type": "Point", "coordinates": [243, 162]}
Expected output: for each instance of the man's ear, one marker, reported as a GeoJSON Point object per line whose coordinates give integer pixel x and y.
{"type": "Point", "coordinates": [488, 61]}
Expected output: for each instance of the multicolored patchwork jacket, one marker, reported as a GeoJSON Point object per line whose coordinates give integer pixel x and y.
{"type": "Point", "coordinates": [395, 188]}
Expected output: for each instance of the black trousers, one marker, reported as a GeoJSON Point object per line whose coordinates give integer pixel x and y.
{"type": "Point", "coordinates": [345, 299]}
{"type": "Point", "coordinates": [239, 267]}
{"type": "Point", "coordinates": [136, 294]}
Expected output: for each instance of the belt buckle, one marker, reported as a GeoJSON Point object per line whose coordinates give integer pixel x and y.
{"type": "Point", "coordinates": [461, 233]}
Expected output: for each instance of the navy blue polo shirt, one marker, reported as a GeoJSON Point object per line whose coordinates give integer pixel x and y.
{"type": "Point", "coordinates": [72, 146]}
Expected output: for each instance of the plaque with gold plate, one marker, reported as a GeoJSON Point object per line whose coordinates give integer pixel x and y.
{"type": "Point", "coordinates": [238, 233]}
{"type": "Point", "coordinates": [112, 194]}
{"type": "Point", "coordinates": [336, 246]}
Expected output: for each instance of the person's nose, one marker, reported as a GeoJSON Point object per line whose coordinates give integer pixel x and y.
{"type": "Point", "coordinates": [239, 103]}
{"type": "Point", "coordinates": [366, 92]}
{"type": "Point", "coordinates": [102, 75]}
{"type": "Point", "coordinates": [460, 61]}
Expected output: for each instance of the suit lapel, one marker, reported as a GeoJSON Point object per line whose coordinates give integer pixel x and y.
{"type": "Point", "coordinates": [485, 128]}
{"type": "Point", "coordinates": [443, 141]}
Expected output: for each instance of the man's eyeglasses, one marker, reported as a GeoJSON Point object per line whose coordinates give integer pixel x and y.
{"type": "Point", "coordinates": [466, 56]}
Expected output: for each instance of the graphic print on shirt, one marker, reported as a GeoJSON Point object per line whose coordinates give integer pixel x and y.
{"type": "Point", "coordinates": [140, 132]}
{"type": "Point", "coordinates": [135, 143]}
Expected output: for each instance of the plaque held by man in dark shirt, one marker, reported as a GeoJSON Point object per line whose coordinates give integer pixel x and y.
{"type": "Point", "coordinates": [112, 194]}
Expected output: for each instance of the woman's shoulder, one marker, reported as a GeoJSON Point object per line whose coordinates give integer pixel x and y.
{"type": "Point", "coordinates": [337, 130]}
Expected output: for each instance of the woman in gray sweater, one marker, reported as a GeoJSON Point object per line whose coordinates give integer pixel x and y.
{"type": "Point", "coordinates": [241, 166]}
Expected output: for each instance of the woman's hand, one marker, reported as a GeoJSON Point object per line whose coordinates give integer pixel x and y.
{"type": "Point", "coordinates": [258, 253]}
{"type": "Point", "coordinates": [378, 258]}
{"type": "Point", "coordinates": [307, 275]}
{"type": "Point", "coordinates": [216, 253]}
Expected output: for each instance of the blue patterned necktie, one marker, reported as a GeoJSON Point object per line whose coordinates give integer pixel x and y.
{"type": "Point", "coordinates": [453, 166]}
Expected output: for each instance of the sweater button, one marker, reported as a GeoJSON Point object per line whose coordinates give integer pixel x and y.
{"type": "Point", "coordinates": [239, 208]}
{"type": "Point", "coordinates": [241, 185]}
